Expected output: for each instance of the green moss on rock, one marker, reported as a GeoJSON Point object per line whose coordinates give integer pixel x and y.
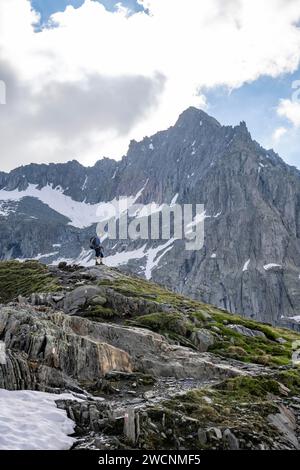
{"type": "Point", "coordinates": [23, 279]}
{"type": "Point", "coordinates": [291, 379]}
{"type": "Point", "coordinates": [173, 325]}
{"type": "Point", "coordinates": [242, 388]}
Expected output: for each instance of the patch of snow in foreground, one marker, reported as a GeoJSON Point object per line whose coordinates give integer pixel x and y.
{"type": "Point", "coordinates": [30, 420]}
{"type": "Point", "coordinates": [267, 267]}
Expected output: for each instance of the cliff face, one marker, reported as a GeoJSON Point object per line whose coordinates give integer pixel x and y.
{"type": "Point", "coordinates": [143, 367]}
{"type": "Point", "coordinates": [251, 256]}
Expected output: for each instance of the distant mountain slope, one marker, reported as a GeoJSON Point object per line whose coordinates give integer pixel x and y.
{"type": "Point", "coordinates": [250, 262]}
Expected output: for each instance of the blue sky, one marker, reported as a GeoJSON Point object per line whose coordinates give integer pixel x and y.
{"type": "Point", "coordinates": [99, 77]}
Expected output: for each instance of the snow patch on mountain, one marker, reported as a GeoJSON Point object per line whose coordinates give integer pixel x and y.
{"type": "Point", "coordinates": [153, 259]}
{"type": "Point", "coordinates": [80, 214]}
{"type": "Point", "coordinates": [268, 267]}
{"type": "Point", "coordinates": [121, 258]}
{"type": "Point", "coordinates": [246, 266]}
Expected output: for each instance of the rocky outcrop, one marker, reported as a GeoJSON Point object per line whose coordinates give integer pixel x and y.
{"type": "Point", "coordinates": [147, 368]}
{"type": "Point", "coordinates": [52, 346]}
{"type": "Point", "coordinates": [87, 351]}
{"type": "Point", "coordinates": [17, 373]}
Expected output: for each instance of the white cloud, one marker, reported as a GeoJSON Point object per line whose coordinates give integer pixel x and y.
{"type": "Point", "coordinates": [279, 133]}
{"type": "Point", "coordinates": [181, 47]}
{"type": "Point", "coordinates": [291, 110]}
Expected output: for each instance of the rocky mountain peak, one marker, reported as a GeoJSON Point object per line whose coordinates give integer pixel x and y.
{"type": "Point", "coordinates": [192, 117]}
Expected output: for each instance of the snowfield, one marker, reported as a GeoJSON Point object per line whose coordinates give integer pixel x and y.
{"type": "Point", "coordinates": [30, 420]}
{"type": "Point", "coordinates": [80, 214]}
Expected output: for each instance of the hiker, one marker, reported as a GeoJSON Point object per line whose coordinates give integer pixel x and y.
{"type": "Point", "coordinates": [95, 244]}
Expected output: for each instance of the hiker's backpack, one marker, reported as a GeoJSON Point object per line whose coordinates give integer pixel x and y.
{"type": "Point", "coordinates": [95, 243]}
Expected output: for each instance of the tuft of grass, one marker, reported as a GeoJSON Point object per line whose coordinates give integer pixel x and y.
{"type": "Point", "coordinates": [99, 312]}
{"type": "Point", "coordinates": [136, 287]}
{"type": "Point", "coordinates": [23, 279]}
{"type": "Point", "coordinates": [246, 388]}
{"type": "Point", "coordinates": [166, 322]}
{"type": "Point", "coordinates": [173, 325]}
{"type": "Point", "coordinates": [258, 350]}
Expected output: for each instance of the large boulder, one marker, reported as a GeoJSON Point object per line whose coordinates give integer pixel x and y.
{"type": "Point", "coordinates": [80, 297]}
{"type": "Point", "coordinates": [202, 339]}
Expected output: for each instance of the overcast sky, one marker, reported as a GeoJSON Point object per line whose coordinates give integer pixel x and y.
{"type": "Point", "coordinates": [83, 78]}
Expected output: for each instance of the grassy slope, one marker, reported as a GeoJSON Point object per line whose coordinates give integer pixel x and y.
{"type": "Point", "coordinates": [23, 279]}
{"type": "Point", "coordinates": [190, 315]}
